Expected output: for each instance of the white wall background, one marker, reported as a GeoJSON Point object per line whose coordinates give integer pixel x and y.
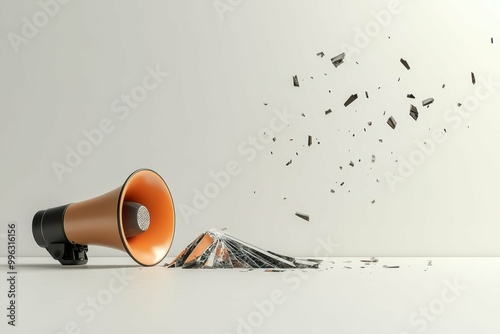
{"type": "Point", "coordinates": [222, 69]}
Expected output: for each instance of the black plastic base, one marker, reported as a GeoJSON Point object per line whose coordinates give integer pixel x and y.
{"type": "Point", "coordinates": [68, 254]}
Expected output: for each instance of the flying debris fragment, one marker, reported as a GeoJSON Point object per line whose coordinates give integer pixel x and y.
{"type": "Point", "coordinates": [473, 78]}
{"type": "Point", "coordinates": [328, 111]}
{"type": "Point", "coordinates": [289, 162]}
{"type": "Point", "coordinates": [351, 164]}
{"type": "Point", "coordinates": [215, 249]}
{"type": "Point", "coordinates": [320, 54]}
{"type": "Point", "coordinates": [410, 96]}
{"type": "Point", "coordinates": [295, 81]}
{"type": "Point", "coordinates": [302, 215]}
{"type": "Point", "coordinates": [405, 63]}
{"type": "Point", "coordinates": [337, 60]}
{"type": "Point", "coordinates": [428, 101]}
{"type": "Point", "coordinates": [392, 122]}
{"type": "Point", "coordinates": [309, 140]}
{"type": "Point", "coordinates": [373, 157]}
{"type": "Point", "coordinates": [413, 112]}
{"type": "Point", "coordinates": [366, 94]}
{"type": "Point", "coordinates": [390, 267]}
{"type": "Point", "coordinates": [371, 260]}
{"type": "Point", "coordinates": [350, 100]}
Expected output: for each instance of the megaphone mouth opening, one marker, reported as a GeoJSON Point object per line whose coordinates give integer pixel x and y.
{"type": "Point", "coordinates": [146, 187]}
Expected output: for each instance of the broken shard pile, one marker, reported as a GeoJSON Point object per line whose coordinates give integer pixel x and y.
{"type": "Point", "coordinates": [217, 249]}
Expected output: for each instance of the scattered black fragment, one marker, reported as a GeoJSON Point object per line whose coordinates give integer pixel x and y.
{"type": "Point", "coordinates": [337, 60]}
{"type": "Point", "coordinates": [265, 103]}
{"type": "Point", "coordinates": [370, 123]}
{"type": "Point", "coordinates": [309, 140]}
{"type": "Point", "coordinates": [274, 138]}
{"type": "Point", "coordinates": [332, 191]}
{"type": "Point", "coordinates": [350, 100]}
{"type": "Point", "coordinates": [473, 77]}
{"type": "Point", "coordinates": [380, 140]}
{"type": "Point", "coordinates": [302, 215]}
{"type": "Point", "coordinates": [340, 167]}
{"type": "Point", "coordinates": [303, 115]}
{"type": "Point", "coordinates": [342, 184]}
{"type": "Point", "coordinates": [328, 111]}
{"type": "Point", "coordinates": [373, 201]}
{"type": "Point", "coordinates": [351, 164]}
{"type": "Point", "coordinates": [346, 267]}
{"type": "Point", "coordinates": [373, 157]}
{"type": "Point", "coordinates": [410, 96]}
{"type": "Point", "coordinates": [366, 94]}
{"type": "Point", "coordinates": [429, 263]}
{"type": "Point", "coordinates": [399, 79]}
{"type": "Point", "coordinates": [413, 112]}
{"type": "Point", "coordinates": [289, 162]}
{"type": "Point", "coordinates": [392, 122]}
{"type": "Point", "coordinates": [491, 40]}
{"type": "Point", "coordinates": [428, 101]}
{"type": "Point", "coordinates": [390, 267]}
{"type": "Point", "coordinates": [295, 81]}
{"type": "Point", "coordinates": [459, 104]}
{"type": "Point", "coordinates": [321, 54]}
{"type": "Point", "coordinates": [405, 63]}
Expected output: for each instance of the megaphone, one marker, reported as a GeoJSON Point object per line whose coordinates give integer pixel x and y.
{"type": "Point", "coordinates": [138, 218]}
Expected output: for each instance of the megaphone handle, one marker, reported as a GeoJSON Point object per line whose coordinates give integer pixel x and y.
{"type": "Point", "coordinates": [68, 253]}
